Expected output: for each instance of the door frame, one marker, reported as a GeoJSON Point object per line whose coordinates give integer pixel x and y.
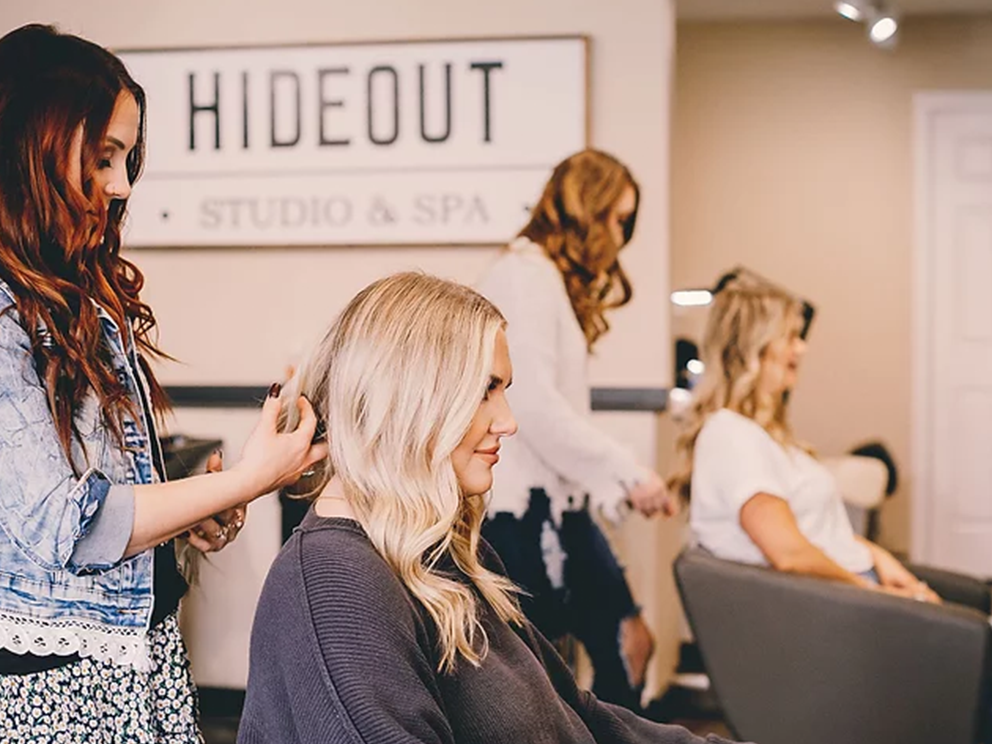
{"type": "Point", "coordinates": [927, 109]}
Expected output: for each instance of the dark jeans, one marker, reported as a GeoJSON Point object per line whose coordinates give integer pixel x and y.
{"type": "Point", "coordinates": [595, 597]}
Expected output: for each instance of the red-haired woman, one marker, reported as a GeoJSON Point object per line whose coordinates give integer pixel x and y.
{"type": "Point", "coordinates": [555, 283]}
{"type": "Point", "coordinates": [89, 644]}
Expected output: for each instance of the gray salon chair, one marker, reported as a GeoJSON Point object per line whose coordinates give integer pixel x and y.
{"type": "Point", "coordinates": [796, 659]}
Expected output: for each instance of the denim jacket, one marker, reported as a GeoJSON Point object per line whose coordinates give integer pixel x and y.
{"type": "Point", "coordinates": [49, 603]}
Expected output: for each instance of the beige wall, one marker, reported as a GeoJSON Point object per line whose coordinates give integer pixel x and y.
{"type": "Point", "coordinates": [239, 316]}
{"type": "Point", "coordinates": [792, 154]}
{"type": "Point", "coordinates": [194, 291]}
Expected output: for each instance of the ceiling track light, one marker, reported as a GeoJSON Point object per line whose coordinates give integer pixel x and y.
{"type": "Point", "coordinates": [883, 29]}
{"type": "Point", "coordinates": [850, 10]}
{"type": "Point", "coordinates": [881, 22]}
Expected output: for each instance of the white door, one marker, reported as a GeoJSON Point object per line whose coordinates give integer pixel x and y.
{"type": "Point", "coordinates": [952, 515]}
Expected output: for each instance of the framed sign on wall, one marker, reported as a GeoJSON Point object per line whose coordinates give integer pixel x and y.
{"type": "Point", "coordinates": [406, 143]}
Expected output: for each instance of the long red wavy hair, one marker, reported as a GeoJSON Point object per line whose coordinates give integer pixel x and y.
{"type": "Point", "coordinates": [60, 244]}
{"type": "Point", "coordinates": [571, 222]}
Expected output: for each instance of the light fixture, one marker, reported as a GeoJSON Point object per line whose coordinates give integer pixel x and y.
{"type": "Point", "coordinates": [695, 366]}
{"type": "Point", "coordinates": [692, 297]}
{"type": "Point", "coordinates": [882, 29]}
{"type": "Point", "coordinates": [880, 21]}
{"type": "Point", "coordinates": [849, 10]}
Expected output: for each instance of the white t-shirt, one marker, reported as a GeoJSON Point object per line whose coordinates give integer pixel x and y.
{"type": "Point", "coordinates": [734, 460]}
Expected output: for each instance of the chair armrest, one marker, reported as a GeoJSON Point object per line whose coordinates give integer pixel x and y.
{"type": "Point", "coordinates": [955, 587]}
{"type": "Point", "coordinates": [799, 659]}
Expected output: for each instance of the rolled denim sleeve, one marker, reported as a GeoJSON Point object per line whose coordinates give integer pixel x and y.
{"type": "Point", "coordinates": [44, 507]}
{"type": "Point", "coordinates": [110, 531]}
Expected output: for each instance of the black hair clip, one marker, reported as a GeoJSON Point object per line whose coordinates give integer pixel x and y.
{"type": "Point", "coordinates": [320, 432]}
{"type": "Point", "coordinates": [808, 310]}
{"type": "Point", "coordinates": [725, 280]}
{"type": "Point", "coordinates": [628, 226]}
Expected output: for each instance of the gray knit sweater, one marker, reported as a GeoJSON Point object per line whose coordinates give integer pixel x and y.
{"type": "Point", "coordinates": [341, 652]}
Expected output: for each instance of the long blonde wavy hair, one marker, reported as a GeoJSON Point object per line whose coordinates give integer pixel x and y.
{"type": "Point", "coordinates": [747, 315]}
{"type": "Point", "coordinates": [570, 222]}
{"type": "Point", "coordinates": [397, 380]}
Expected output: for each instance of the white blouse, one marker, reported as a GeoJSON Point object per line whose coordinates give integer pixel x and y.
{"type": "Point", "coordinates": [557, 447]}
{"type": "Point", "coordinates": [734, 460]}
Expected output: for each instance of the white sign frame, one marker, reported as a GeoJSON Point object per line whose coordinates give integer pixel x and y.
{"type": "Point", "coordinates": [223, 170]}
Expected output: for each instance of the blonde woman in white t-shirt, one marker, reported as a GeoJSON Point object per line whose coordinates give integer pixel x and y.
{"type": "Point", "coordinates": [757, 495]}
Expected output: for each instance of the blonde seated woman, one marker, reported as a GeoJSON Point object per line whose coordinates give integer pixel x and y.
{"type": "Point", "coordinates": [385, 618]}
{"type": "Point", "coordinates": [757, 495]}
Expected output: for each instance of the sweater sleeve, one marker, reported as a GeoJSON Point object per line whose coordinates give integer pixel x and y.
{"type": "Point", "coordinates": [527, 293]}
{"type": "Point", "coordinates": [377, 654]}
{"type": "Point", "coordinates": [607, 722]}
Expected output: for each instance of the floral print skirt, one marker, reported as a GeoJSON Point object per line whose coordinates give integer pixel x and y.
{"type": "Point", "coordinates": [96, 702]}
